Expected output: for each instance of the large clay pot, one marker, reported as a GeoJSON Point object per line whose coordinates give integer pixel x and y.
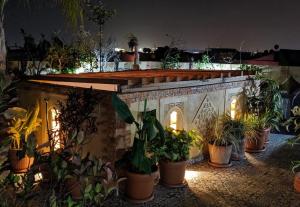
{"type": "Point", "coordinates": [172, 173]}
{"type": "Point", "coordinates": [258, 143]}
{"type": "Point", "coordinates": [19, 165]}
{"type": "Point", "coordinates": [297, 182]}
{"type": "Point", "coordinates": [139, 187]}
{"type": "Point", "coordinates": [73, 187]}
{"type": "Point", "coordinates": [266, 134]}
{"type": "Point", "coordinates": [238, 152]}
{"type": "Point", "coordinates": [220, 154]}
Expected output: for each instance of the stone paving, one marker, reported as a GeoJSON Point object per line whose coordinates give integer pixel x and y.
{"type": "Point", "coordinates": [262, 180]}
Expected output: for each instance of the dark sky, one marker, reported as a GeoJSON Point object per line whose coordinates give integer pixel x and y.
{"type": "Point", "coordinates": [199, 23]}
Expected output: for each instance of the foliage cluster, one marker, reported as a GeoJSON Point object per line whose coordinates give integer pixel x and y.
{"type": "Point", "coordinates": [148, 130]}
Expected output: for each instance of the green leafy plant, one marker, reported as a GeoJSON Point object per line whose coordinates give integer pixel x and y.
{"type": "Point", "coordinates": [204, 63]}
{"type": "Point", "coordinates": [265, 101]}
{"type": "Point", "coordinates": [171, 61]}
{"type": "Point", "coordinates": [22, 124]}
{"type": "Point", "coordinates": [293, 123]}
{"type": "Point", "coordinates": [251, 68]}
{"type": "Point", "coordinates": [148, 130]}
{"type": "Point", "coordinates": [177, 144]}
{"type": "Point", "coordinates": [225, 131]}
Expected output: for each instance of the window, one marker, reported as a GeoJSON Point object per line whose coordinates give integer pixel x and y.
{"type": "Point", "coordinates": [233, 108]}
{"type": "Point", "coordinates": [55, 127]}
{"type": "Point", "coordinates": [173, 119]}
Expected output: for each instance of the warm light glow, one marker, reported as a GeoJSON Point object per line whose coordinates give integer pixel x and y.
{"type": "Point", "coordinates": [191, 174]}
{"type": "Point", "coordinates": [233, 108]}
{"type": "Point", "coordinates": [55, 126]}
{"type": "Point", "coordinates": [119, 49]}
{"type": "Point", "coordinates": [38, 177]}
{"type": "Point", "coordinates": [173, 120]}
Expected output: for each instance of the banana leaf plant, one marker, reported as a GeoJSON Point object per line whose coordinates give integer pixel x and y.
{"type": "Point", "coordinates": [22, 124]}
{"type": "Point", "coordinates": [139, 158]}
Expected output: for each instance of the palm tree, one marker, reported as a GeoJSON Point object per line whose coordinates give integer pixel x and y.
{"type": "Point", "coordinates": [72, 9]}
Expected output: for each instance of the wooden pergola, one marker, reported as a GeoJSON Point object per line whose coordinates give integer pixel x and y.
{"type": "Point", "coordinates": [114, 81]}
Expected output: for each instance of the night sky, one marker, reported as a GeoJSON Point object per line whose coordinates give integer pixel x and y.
{"type": "Point", "coordinates": [198, 23]}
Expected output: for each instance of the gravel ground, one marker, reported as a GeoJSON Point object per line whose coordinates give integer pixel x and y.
{"type": "Point", "coordinates": [262, 180]}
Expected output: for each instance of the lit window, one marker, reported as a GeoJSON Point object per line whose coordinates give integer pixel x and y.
{"type": "Point", "coordinates": [55, 127]}
{"type": "Point", "coordinates": [233, 108]}
{"type": "Point", "coordinates": [173, 120]}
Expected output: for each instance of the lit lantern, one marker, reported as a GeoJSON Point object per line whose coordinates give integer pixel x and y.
{"type": "Point", "coordinates": [173, 120]}
{"type": "Point", "coordinates": [233, 108]}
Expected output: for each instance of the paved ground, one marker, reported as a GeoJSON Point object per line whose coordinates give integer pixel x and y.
{"type": "Point", "coordinates": [262, 180]}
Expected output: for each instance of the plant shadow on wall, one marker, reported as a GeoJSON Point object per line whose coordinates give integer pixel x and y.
{"type": "Point", "coordinates": [65, 175]}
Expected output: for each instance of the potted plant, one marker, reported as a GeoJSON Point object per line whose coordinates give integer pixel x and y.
{"type": "Point", "coordinates": [22, 124]}
{"type": "Point", "coordinates": [142, 170]}
{"type": "Point", "coordinates": [265, 102]}
{"type": "Point", "coordinates": [221, 141]}
{"type": "Point", "coordinates": [257, 132]}
{"type": "Point", "coordinates": [293, 123]}
{"type": "Point", "coordinates": [173, 155]}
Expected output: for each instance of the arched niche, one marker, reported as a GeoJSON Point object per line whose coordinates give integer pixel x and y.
{"type": "Point", "coordinates": [174, 118]}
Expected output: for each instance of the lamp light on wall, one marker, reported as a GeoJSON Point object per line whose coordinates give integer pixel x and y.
{"type": "Point", "coordinates": [173, 120]}
{"type": "Point", "coordinates": [233, 108]}
{"type": "Point", "coordinates": [55, 126]}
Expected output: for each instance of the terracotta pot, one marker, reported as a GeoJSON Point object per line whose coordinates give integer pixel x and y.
{"type": "Point", "coordinates": [238, 152]}
{"type": "Point", "coordinates": [266, 134]}
{"type": "Point", "coordinates": [257, 143]}
{"type": "Point", "coordinates": [19, 165]}
{"type": "Point", "coordinates": [172, 173]}
{"type": "Point", "coordinates": [297, 182]}
{"type": "Point", "coordinates": [139, 187]}
{"type": "Point", "coordinates": [73, 187]}
{"type": "Point", "coordinates": [220, 154]}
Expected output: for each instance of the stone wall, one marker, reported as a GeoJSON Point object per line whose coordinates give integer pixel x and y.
{"type": "Point", "coordinates": [196, 104]}
{"type": "Point", "coordinates": [103, 143]}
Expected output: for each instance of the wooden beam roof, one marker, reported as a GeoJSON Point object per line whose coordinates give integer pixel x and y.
{"type": "Point", "coordinates": [138, 78]}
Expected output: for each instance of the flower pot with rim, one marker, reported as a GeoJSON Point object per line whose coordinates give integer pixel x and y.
{"type": "Point", "coordinates": [19, 164]}
{"type": "Point", "coordinates": [297, 182]}
{"type": "Point", "coordinates": [219, 155]}
{"type": "Point", "coordinates": [266, 134]}
{"type": "Point", "coordinates": [172, 173]}
{"type": "Point", "coordinates": [257, 143]}
{"type": "Point", "coordinates": [139, 187]}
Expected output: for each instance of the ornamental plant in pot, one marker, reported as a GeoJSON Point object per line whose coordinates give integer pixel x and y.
{"type": "Point", "coordinates": [257, 131]}
{"type": "Point", "coordinates": [221, 141]}
{"type": "Point", "coordinates": [173, 155]}
{"type": "Point", "coordinates": [141, 169]}
{"type": "Point", "coordinates": [21, 125]}
{"type": "Point", "coordinates": [265, 102]}
{"type": "Point", "coordinates": [294, 123]}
